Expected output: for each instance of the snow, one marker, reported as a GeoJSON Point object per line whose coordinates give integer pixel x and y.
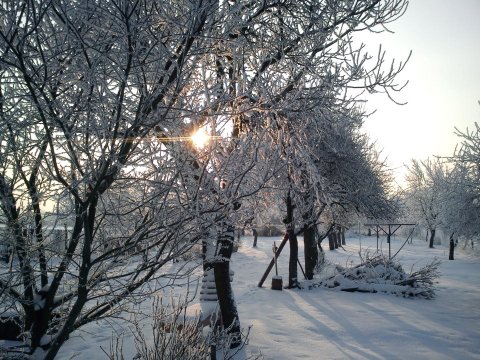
{"type": "Point", "coordinates": [330, 324]}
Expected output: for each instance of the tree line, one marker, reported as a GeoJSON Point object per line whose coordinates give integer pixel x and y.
{"type": "Point", "coordinates": [98, 100]}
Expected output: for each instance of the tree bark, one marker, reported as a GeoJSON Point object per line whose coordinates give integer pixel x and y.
{"type": "Point", "coordinates": [226, 299]}
{"type": "Point", "coordinates": [452, 248]}
{"type": "Point", "coordinates": [292, 264]}
{"type": "Point", "coordinates": [432, 238]}
{"type": "Point", "coordinates": [255, 236]}
{"type": "Point", "coordinates": [331, 240]}
{"type": "Point", "coordinates": [342, 234]}
{"type": "Point", "coordinates": [310, 250]}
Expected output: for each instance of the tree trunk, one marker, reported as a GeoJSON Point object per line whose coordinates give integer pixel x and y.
{"type": "Point", "coordinates": [311, 252]}
{"type": "Point", "coordinates": [226, 299]}
{"type": "Point", "coordinates": [255, 236]}
{"type": "Point", "coordinates": [40, 325]}
{"type": "Point", "coordinates": [342, 234]}
{"type": "Point", "coordinates": [331, 240]}
{"type": "Point", "coordinates": [452, 248]}
{"type": "Point", "coordinates": [336, 238]}
{"type": "Point", "coordinates": [292, 264]}
{"type": "Point", "coordinates": [432, 238]}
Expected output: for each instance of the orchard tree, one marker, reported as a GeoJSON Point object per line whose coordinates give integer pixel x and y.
{"type": "Point", "coordinates": [280, 59]}
{"type": "Point", "coordinates": [96, 98]}
{"type": "Point", "coordinates": [336, 176]}
{"type": "Point", "coordinates": [467, 178]}
{"type": "Point", "coordinates": [289, 66]}
{"type": "Point", "coordinates": [462, 188]}
{"type": "Point", "coordinates": [426, 185]}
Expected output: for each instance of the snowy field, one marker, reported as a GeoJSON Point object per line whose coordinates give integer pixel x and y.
{"type": "Point", "coordinates": [328, 324]}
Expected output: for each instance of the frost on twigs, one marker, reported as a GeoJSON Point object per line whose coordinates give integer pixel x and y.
{"type": "Point", "coordinates": [171, 332]}
{"type": "Point", "coordinates": [377, 273]}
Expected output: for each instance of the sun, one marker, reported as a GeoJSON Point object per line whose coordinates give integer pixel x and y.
{"type": "Point", "coordinates": [200, 138]}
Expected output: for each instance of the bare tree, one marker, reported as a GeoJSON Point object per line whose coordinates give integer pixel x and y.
{"type": "Point", "coordinates": [279, 58]}
{"type": "Point", "coordinates": [461, 195]}
{"type": "Point", "coordinates": [426, 181]}
{"type": "Point", "coordinates": [96, 98]}
{"type": "Point", "coordinates": [89, 106]}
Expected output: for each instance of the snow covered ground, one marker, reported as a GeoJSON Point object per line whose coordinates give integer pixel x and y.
{"type": "Point", "coordinates": [328, 324]}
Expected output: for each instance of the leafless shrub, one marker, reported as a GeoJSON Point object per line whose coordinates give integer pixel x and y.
{"type": "Point", "coordinates": [173, 334]}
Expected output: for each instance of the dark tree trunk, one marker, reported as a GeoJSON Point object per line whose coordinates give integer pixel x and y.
{"type": "Point", "coordinates": [311, 252]}
{"type": "Point", "coordinates": [292, 264]}
{"type": "Point", "coordinates": [342, 234]}
{"type": "Point", "coordinates": [331, 240]}
{"type": "Point", "coordinates": [255, 236]}
{"type": "Point", "coordinates": [226, 300]}
{"type": "Point", "coordinates": [42, 317]}
{"type": "Point", "coordinates": [369, 232]}
{"type": "Point", "coordinates": [336, 238]}
{"type": "Point", "coordinates": [452, 248]}
{"type": "Point", "coordinates": [432, 238]}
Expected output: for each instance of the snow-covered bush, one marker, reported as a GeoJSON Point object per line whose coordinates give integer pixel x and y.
{"type": "Point", "coordinates": [377, 273]}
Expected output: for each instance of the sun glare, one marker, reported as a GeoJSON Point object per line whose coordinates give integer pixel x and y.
{"type": "Point", "coordinates": [200, 138]}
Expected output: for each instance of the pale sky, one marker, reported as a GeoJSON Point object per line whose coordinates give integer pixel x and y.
{"type": "Point", "coordinates": [444, 80]}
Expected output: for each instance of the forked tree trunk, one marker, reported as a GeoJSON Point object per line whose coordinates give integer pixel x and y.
{"type": "Point", "coordinates": [432, 238]}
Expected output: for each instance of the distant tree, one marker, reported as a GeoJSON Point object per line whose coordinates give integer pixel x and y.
{"type": "Point", "coordinates": [425, 188]}
{"type": "Point", "coordinates": [461, 198]}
